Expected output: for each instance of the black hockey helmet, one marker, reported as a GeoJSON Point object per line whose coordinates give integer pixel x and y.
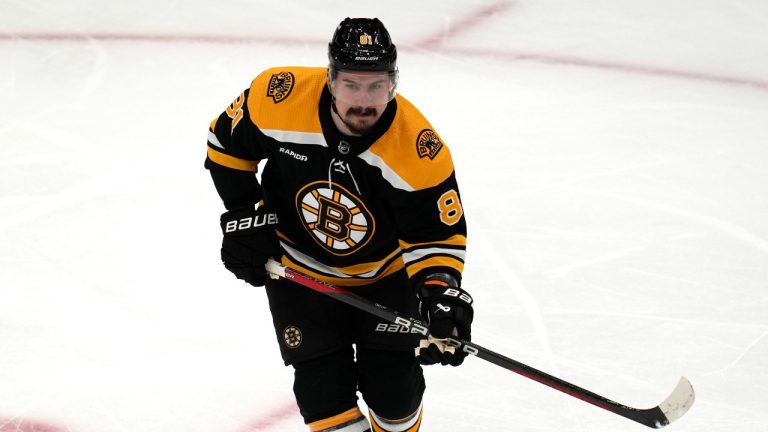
{"type": "Point", "coordinates": [362, 44]}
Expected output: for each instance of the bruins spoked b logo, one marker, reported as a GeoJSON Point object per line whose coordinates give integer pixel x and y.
{"type": "Point", "coordinates": [280, 86]}
{"type": "Point", "coordinates": [335, 218]}
{"type": "Point", "coordinates": [292, 337]}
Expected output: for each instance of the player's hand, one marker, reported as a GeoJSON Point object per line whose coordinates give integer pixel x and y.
{"type": "Point", "coordinates": [447, 308]}
{"type": "Point", "coordinates": [249, 241]}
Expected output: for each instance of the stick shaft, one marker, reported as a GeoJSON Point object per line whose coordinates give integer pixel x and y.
{"type": "Point", "coordinates": [653, 417]}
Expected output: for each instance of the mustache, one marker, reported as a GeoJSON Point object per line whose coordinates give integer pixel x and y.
{"type": "Point", "coordinates": [361, 111]}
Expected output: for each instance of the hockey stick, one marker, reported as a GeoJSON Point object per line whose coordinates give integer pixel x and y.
{"type": "Point", "coordinates": [672, 408]}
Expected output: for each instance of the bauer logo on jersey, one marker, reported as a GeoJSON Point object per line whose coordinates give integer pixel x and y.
{"type": "Point", "coordinates": [335, 218]}
{"type": "Point", "coordinates": [428, 144]}
{"type": "Point", "coordinates": [280, 86]}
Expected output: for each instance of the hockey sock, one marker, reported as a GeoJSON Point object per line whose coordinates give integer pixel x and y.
{"type": "Point", "coordinates": [349, 421]}
{"type": "Point", "coordinates": [408, 424]}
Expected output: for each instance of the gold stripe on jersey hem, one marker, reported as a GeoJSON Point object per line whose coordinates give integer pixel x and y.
{"type": "Point", "coordinates": [353, 281]}
{"type": "Point", "coordinates": [368, 267]}
{"type": "Point", "coordinates": [231, 161]}
{"type": "Point", "coordinates": [361, 270]}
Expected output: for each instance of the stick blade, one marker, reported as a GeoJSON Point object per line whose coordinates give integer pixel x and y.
{"type": "Point", "coordinates": [679, 402]}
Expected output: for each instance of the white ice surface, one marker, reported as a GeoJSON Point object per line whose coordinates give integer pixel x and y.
{"type": "Point", "coordinates": [612, 157]}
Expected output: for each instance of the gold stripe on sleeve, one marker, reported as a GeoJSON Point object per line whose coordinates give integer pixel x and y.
{"type": "Point", "coordinates": [231, 161]}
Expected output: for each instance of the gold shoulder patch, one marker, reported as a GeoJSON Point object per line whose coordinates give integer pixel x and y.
{"type": "Point", "coordinates": [428, 144]}
{"type": "Point", "coordinates": [280, 86]}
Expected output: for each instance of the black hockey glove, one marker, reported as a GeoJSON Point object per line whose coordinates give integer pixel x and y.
{"type": "Point", "coordinates": [448, 310]}
{"type": "Point", "coordinates": [249, 240]}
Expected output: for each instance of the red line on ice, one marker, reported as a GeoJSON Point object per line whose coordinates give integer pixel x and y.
{"type": "Point", "coordinates": [16, 424]}
{"type": "Point", "coordinates": [269, 420]}
{"type": "Point", "coordinates": [430, 42]}
{"type": "Point", "coordinates": [465, 24]}
{"type": "Point", "coordinates": [608, 65]}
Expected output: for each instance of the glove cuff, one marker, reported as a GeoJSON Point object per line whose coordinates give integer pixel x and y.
{"type": "Point", "coordinates": [441, 279]}
{"type": "Point", "coordinates": [435, 282]}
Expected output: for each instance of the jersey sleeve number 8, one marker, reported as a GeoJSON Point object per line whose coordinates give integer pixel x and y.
{"type": "Point", "coordinates": [450, 207]}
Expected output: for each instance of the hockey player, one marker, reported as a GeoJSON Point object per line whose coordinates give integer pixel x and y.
{"type": "Point", "coordinates": [359, 191]}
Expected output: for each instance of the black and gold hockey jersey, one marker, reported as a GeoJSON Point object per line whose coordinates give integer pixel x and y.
{"type": "Point", "coordinates": [351, 210]}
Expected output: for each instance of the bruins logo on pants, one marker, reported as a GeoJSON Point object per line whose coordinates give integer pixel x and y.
{"type": "Point", "coordinates": [335, 218]}
{"type": "Point", "coordinates": [292, 337]}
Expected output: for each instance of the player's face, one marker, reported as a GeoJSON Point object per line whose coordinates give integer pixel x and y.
{"type": "Point", "coordinates": [361, 98]}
